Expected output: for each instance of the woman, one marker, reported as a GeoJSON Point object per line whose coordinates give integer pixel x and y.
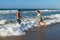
{"type": "Point", "coordinates": [39, 16]}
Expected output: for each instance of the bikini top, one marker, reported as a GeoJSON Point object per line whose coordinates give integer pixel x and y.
{"type": "Point", "coordinates": [39, 15]}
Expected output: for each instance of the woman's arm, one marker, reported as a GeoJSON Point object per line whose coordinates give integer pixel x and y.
{"type": "Point", "coordinates": [34, 17]}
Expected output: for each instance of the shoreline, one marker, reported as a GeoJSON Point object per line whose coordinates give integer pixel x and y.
{"type": "Point", "coordinates": [52, 33]}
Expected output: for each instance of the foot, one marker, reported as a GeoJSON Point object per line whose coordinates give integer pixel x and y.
{"type": "Point", "coordinates": [44, 29]}
{"type": "Point", "coordinates": [39, 27]}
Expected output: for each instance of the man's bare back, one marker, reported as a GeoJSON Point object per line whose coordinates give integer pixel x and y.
{"type": "Point", "coordinates": [18, 16]}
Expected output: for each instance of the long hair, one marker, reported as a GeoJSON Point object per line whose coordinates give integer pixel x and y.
{"type": "Point", "coordinates": [38, 11]}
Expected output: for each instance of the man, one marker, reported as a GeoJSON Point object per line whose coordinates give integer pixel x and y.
{"type": "Point", "coordinates": [18, 16]}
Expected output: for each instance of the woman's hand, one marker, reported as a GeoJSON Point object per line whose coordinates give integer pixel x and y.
{"type": "Point", "coordinates": [34, 18]}
{"type": "Point", "coordinates": [43, 16]}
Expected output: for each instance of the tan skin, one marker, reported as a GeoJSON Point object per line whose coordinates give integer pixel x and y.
{"type": "Point", "coordinates": [39, 21]}
{"type": "Point", "coordinates": [18, 15]}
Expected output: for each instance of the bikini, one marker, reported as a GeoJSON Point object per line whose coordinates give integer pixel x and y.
{"type": "Point", "coordinates": [39, 16]}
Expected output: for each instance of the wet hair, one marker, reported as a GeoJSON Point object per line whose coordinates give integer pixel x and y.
{"type": "Point", "coordinates": [38, 11]}
{"type": "Point", "coordinates": [19, 10]}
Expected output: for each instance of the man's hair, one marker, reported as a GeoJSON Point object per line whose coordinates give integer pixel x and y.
{"type": "Point", "coordinates": [19, 10]}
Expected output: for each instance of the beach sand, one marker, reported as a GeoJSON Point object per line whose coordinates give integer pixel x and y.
{"type": "Point", "coordinates": [51, 33]}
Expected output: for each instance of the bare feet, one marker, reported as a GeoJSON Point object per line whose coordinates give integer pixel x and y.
{"type": "Point", "coordinates": [39, 27]}
{"type": "Point", "coordinates": [45, 25]}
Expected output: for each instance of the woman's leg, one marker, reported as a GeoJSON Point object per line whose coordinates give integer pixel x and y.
{"type": "Point", "coordinates": [44, 24]}
{"type": "Point", "coordinates": [39, 24]}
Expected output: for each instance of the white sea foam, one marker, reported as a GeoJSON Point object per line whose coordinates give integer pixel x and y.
{"type": "Point", "coordinates": [7, 11]}
{"type": "Point", "coordinates": [51, 18]}
{"type": "Point", "coordinates": [14, 11]}
{"type": "Point", "coordinates": [46, 10]}
{"type": "Point", "coordinates": [11, 27]}
{"type": "Point", "coordinates": [2, 21]}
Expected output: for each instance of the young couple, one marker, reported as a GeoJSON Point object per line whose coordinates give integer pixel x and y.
{"type": "Point", "coordinates": [39, 16]}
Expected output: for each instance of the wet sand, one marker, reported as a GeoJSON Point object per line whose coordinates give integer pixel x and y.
{"type": "Point", "coordinates": [52, 33]}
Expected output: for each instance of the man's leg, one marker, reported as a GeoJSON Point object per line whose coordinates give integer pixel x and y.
{"type": "Point", "coordinates": [19, 21]}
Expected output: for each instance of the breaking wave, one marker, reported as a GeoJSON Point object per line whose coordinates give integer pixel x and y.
{"type": "Point", "coordinates": [11, 27]}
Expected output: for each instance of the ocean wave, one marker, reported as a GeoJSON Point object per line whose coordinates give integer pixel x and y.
{"type": "Point", "coordinates": [14, 11]}
{"type": "Point", "coordinates": [50, 18]}
{"type": "Point", "coordinates": [7, 11]}
{"type": "Point", "coordinates": [11, 27]}
{"type": "Point", "coordinates": [4, 21]}
{"type": "Point", "coordinates": [46, 10]}
{"type": "Point", "coordinates": [53, 19]}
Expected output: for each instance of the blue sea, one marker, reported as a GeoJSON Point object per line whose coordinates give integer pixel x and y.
{"type": "Point", "coordinates": [9, 25]}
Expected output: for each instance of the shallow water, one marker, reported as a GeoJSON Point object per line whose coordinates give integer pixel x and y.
{"type": "Point", "coordinates": [9, 25]}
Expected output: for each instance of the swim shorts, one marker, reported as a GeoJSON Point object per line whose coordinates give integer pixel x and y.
{"type": "Point", "coordinates": [19, 21]}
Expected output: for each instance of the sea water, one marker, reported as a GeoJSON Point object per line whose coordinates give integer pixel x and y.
{"type": "Point", "coordinates": [9, 25]}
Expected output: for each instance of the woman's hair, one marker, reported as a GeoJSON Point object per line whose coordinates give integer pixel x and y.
{"type": "Point", "coordinates": [38, 11]}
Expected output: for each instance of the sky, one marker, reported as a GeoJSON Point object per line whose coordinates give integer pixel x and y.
{"type": "Point", "coordinates": [29, 4]}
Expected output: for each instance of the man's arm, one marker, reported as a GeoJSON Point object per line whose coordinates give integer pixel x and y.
{"type": "Point", "coordinates": [20, 16]}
